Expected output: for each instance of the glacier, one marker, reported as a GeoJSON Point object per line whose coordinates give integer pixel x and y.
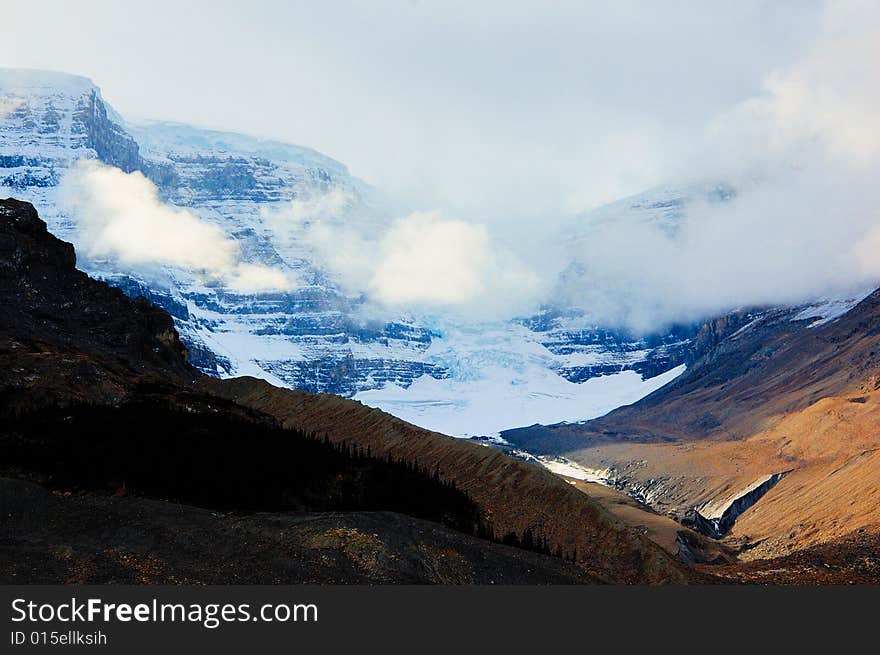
{"type": "Point", "coordinates": [503, 399]}
{"type": "Point", "coordinates": [457, 377]}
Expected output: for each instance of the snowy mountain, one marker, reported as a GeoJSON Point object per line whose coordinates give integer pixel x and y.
{"type": "Point", "coordinates": [455, 377]}
{"type": "Point", "coordinates": [308, 337]}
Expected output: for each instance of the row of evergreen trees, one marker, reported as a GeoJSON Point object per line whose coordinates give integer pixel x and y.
{"type": "Point", "coordinates": [191, 450]}
{"type": "Point", "coordinates": [528, 540]}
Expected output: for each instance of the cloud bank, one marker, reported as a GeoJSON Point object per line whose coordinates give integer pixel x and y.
{"type": "Point", "coordinates": [489, 110]}
{"type": "Point", "coordinates": [120, 216]}
{"type": "Point", "coordinates": [803, 157]}
{"type": "Point", "coordinates": [534, 114]}
{"type": "Point", "coordinates": [423, 262]}
{"type": "Point", "coordinates": [798, 163]}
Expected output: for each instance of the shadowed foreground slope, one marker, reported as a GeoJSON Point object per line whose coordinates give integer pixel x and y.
{"type": "Point", "coordinates": [74, 352]}
{"type": "Point", "coordinates": [51, 538]}
{"type": "Point", "coordinates": [513, 496]}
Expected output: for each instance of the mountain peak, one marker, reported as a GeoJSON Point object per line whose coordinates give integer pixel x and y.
{"type": "Point", "coordinates": [33, 81]}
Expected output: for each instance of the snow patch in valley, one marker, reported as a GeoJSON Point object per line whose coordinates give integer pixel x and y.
{"type": "Point", "coordinates": [562, 466]}
{"type": "Point", "coordinates": [503, 399]}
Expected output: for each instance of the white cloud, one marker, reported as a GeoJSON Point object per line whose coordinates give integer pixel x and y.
{"type": "Point", "coordinates": [794, 238]}
{"type": "Point", "coordinates": [425, 261]}
{"type": "Point", "coordinates": [426, 258]}
{"type": "Point", "coordinates": [824, 104]}
{"type": "Point", "coordinates": [120, 216]}
{"type": "Point", "coordinates": [804, 157]}
{"type": "Point", "coordinates": [428, 261]}
{"type": "Point", "coordinates": [834, 95]}
{"type": "Point", "coordinates": [252, 278]}
{"type": "Point", "coordinates": [311, 207]}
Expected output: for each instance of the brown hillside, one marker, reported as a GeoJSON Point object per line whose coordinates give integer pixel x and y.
{"type": "Point", "coordinates": [777, 397]}
{"type": "Point", "coordinates": [514, 496]}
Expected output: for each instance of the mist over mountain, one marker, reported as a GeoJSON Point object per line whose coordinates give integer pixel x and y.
{"type": "Point", "coordinates": [277, 262]}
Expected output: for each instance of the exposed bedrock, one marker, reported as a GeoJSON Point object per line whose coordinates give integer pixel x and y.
{"type": "Point", "coordinates": [716, 519]}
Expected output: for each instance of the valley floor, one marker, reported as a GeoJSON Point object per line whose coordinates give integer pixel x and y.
{"type": "Point", "coordinates": [827, 452]}
{"type": "Point", "coordinates": [851, 559]}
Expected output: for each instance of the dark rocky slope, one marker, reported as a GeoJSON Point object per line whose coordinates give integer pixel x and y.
{"type": "Point", "coordinates": [52, 538]}
{"type": "Point", "coordinates": [65, 337]}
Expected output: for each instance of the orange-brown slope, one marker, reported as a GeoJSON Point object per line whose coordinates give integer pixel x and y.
{"type": "Point", "coordinates": [834, 485]}
{"type": "Point", "coordinates": [830, 453]}
{"type": "Point", "coordinates": [512, 495]}
{"type": "Point", "coordinates": [776, 398]}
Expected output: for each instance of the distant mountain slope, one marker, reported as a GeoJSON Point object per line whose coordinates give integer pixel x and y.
{"type": "Point", "coordinates": [78, 360]}
{"type": "Point", "coordinates": [744, 369]}
{"type": "Point", "coordinates": [772, 394]}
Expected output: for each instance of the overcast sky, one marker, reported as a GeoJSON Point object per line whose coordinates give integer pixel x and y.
{"type": "Point", "coordinates": [491, 110]}
{"type": "Point", "coordinates": [495, 122]}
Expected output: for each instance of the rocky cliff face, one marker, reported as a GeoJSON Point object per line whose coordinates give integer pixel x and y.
{"type": "Point", "coordinates": [592, 351]}
{"type": "Point", "coordinates": [42, 288]}
{"type": "Point", "coordinates": [50, 308]}
{"type": "Point", "coordinates": [110, 142]}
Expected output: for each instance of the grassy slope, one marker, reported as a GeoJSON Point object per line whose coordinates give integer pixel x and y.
{"type": "Point", "coordinates": [513, 496]}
